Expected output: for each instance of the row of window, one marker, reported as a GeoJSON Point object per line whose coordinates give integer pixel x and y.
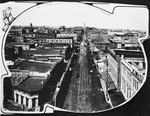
{"type": "Point", "coordinates": [111, 59]}
{"type": "Point", "coordinates": [123, 70]}
{"type": "Point", "coordinates": [59, 40]}
{"type": "Point", "coordinates": [130, 76]}
{"type": "Point", "coordinates": [138, 76]}
{"type": "Point", "coordinates": [135, 84]}
{"type": "Point", "coordinates": [126, 89]}
{"type": "Point", "coordinates": [113, 70]}
{"type": "Point", "coordinates": [126, 73]}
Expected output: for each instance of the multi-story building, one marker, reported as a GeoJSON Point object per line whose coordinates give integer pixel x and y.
{"type": "Point", "coordinates": [113, 68]}
{"type": "Point", "coordinates": [39, 81]}
{"type": "Point", "coordinates": [26, 93]}
{"type": "Point", "coordinates": [127, 70]}
{"type": "Point", "coordinates": [44, 55]}
{"type": "Point", "coordinates": [132, 76]}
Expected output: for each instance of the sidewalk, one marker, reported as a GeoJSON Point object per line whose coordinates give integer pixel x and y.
{"type": "Point", "coordinates": [116, 97]}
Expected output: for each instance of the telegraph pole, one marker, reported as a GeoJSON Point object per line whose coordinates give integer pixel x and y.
{"type": "Point", "coordinates": [119, 73]}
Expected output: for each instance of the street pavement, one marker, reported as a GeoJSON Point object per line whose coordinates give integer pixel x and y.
{"type": "Point", "coordinates": [84, 93]}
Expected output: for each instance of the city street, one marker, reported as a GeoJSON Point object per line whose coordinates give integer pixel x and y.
{"type": "Point", "coordinates": [84, 86]}
{"type": "Point", "coordinates": [85, 93]}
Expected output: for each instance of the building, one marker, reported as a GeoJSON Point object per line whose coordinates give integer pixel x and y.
{"type": "Point", "coordinates": [14, 35]}
{"type": "Point", "coordinates": [38, 77]}
{"type": "Point", "coordinates": [18, 76]}
{"type": "Point", "coordinates": [21, 70]}
{"type": "Point", "coordinates": [102, 42]}
{"type": "Point", "coordinates": [66, 34]}
{"type": "Point", "coordinates": [113, 68]}
{"type": "Point", "coordinates": [49, 55]}
{"type": "Point", "coordinates": [127, 70]}
{"type": "Point", "coordinates": [61, 41]}
{"type": "Point", "coordinates": [25, 46]}
{"type": "Point", "coordinates": [123, 41]}
{"type": "Point", "coordinates": [26, 93]}
{"type": "Point", "coordinates": [132, 76]}
{"type": "Point", "coordinates": [78, 30]}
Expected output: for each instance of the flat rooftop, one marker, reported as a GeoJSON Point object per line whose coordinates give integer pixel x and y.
{"type": "Point", "coordinates": [32, 84]}
{"type": "Point", "coordinates": [35, 66]}
{"type": "Point", "coordinates": [43, 51]}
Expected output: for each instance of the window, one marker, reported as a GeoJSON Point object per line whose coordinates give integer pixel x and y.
{"type": "Point", "coordinates": [137, 85]}
{"type": "Point", "coordinates": [17, 97]}
{"type": "Point", "coordinates": [123, 70]}
{"type": "Point", "coordinates": [21, 99]}
{"type": "Point", "coordinates": [128, 91]}
{"type": "Point", "coordinates": [27, 101]}
{"type": "Point", "coordinates": [33, 102]}
{"type": "Point", "coordinates": [129, 76]}
{"type": "Point", "coordinates": [124, 87]}
{"type": "Point", "coordinates": [133, 82]}
{"type": "Point", "coordinates": [123, 84]}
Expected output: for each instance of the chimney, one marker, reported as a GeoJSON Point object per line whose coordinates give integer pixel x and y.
{"type": "Point", "coordinates": [122, 56]}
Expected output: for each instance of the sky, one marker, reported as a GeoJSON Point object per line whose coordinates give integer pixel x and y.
{"type": "Point", "coordinates": [76, 14]}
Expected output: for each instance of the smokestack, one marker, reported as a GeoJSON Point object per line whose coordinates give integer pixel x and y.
{"type": "Point", "coordinates": [31, 28]}
{"type": "Point", "coordinates": [31, 25]}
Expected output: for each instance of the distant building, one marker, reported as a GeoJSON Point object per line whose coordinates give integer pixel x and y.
{"type": "Point", "coordinates": [27, 32]}
{"type": "Point", "coordinates": [45, 55]}
{"type": "Point", "coordinates": [62, 28]}
{"type": "Point", "coordinates": [102, 42]}
{"type": "Point", "coordinates": [126, 42]}
{"type": "Point", "coordinates": [25, 46]}
{"type": "Point", "coordinates": [78, 30]}
{"type": "Point", "coordinates": [61, 40]}
{"type": "Point", "coordinates": [14, 35]}
{"type": "Point", "coordinates": [66, 35]}
{"type": "Point", "coordinates": [15, 31]}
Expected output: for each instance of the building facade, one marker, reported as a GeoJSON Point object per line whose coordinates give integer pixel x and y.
{"type": "Point", "coordinates": [113, 68]}
{"type": "Point", "coordinates": [131, 78]}
{"type": "Point", "coordinates": [127, 76]}
{"type": "Point", "coordinates": [25, 99]}
{"type": "Point", "coordinates": [27, 92]}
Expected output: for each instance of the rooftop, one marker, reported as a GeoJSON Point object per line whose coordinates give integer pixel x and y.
{"type": "Point", "coordinates": [129, 53]}
{"type": "Point", "coordinates": [32, 84]}
{"type": "Point", "coordinates": [35, 66]}
{"type": "Point", "coordinates": [63, 38]}
{"type": "Point", "coordinates": [125, 40]}
{"type": "Point", "coordinates": [44, 51]}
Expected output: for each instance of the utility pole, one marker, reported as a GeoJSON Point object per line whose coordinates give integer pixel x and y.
{"type": "Point", "coordinates": [106, 62]}
{"type": "Point", "coordinates": [119, 73]}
